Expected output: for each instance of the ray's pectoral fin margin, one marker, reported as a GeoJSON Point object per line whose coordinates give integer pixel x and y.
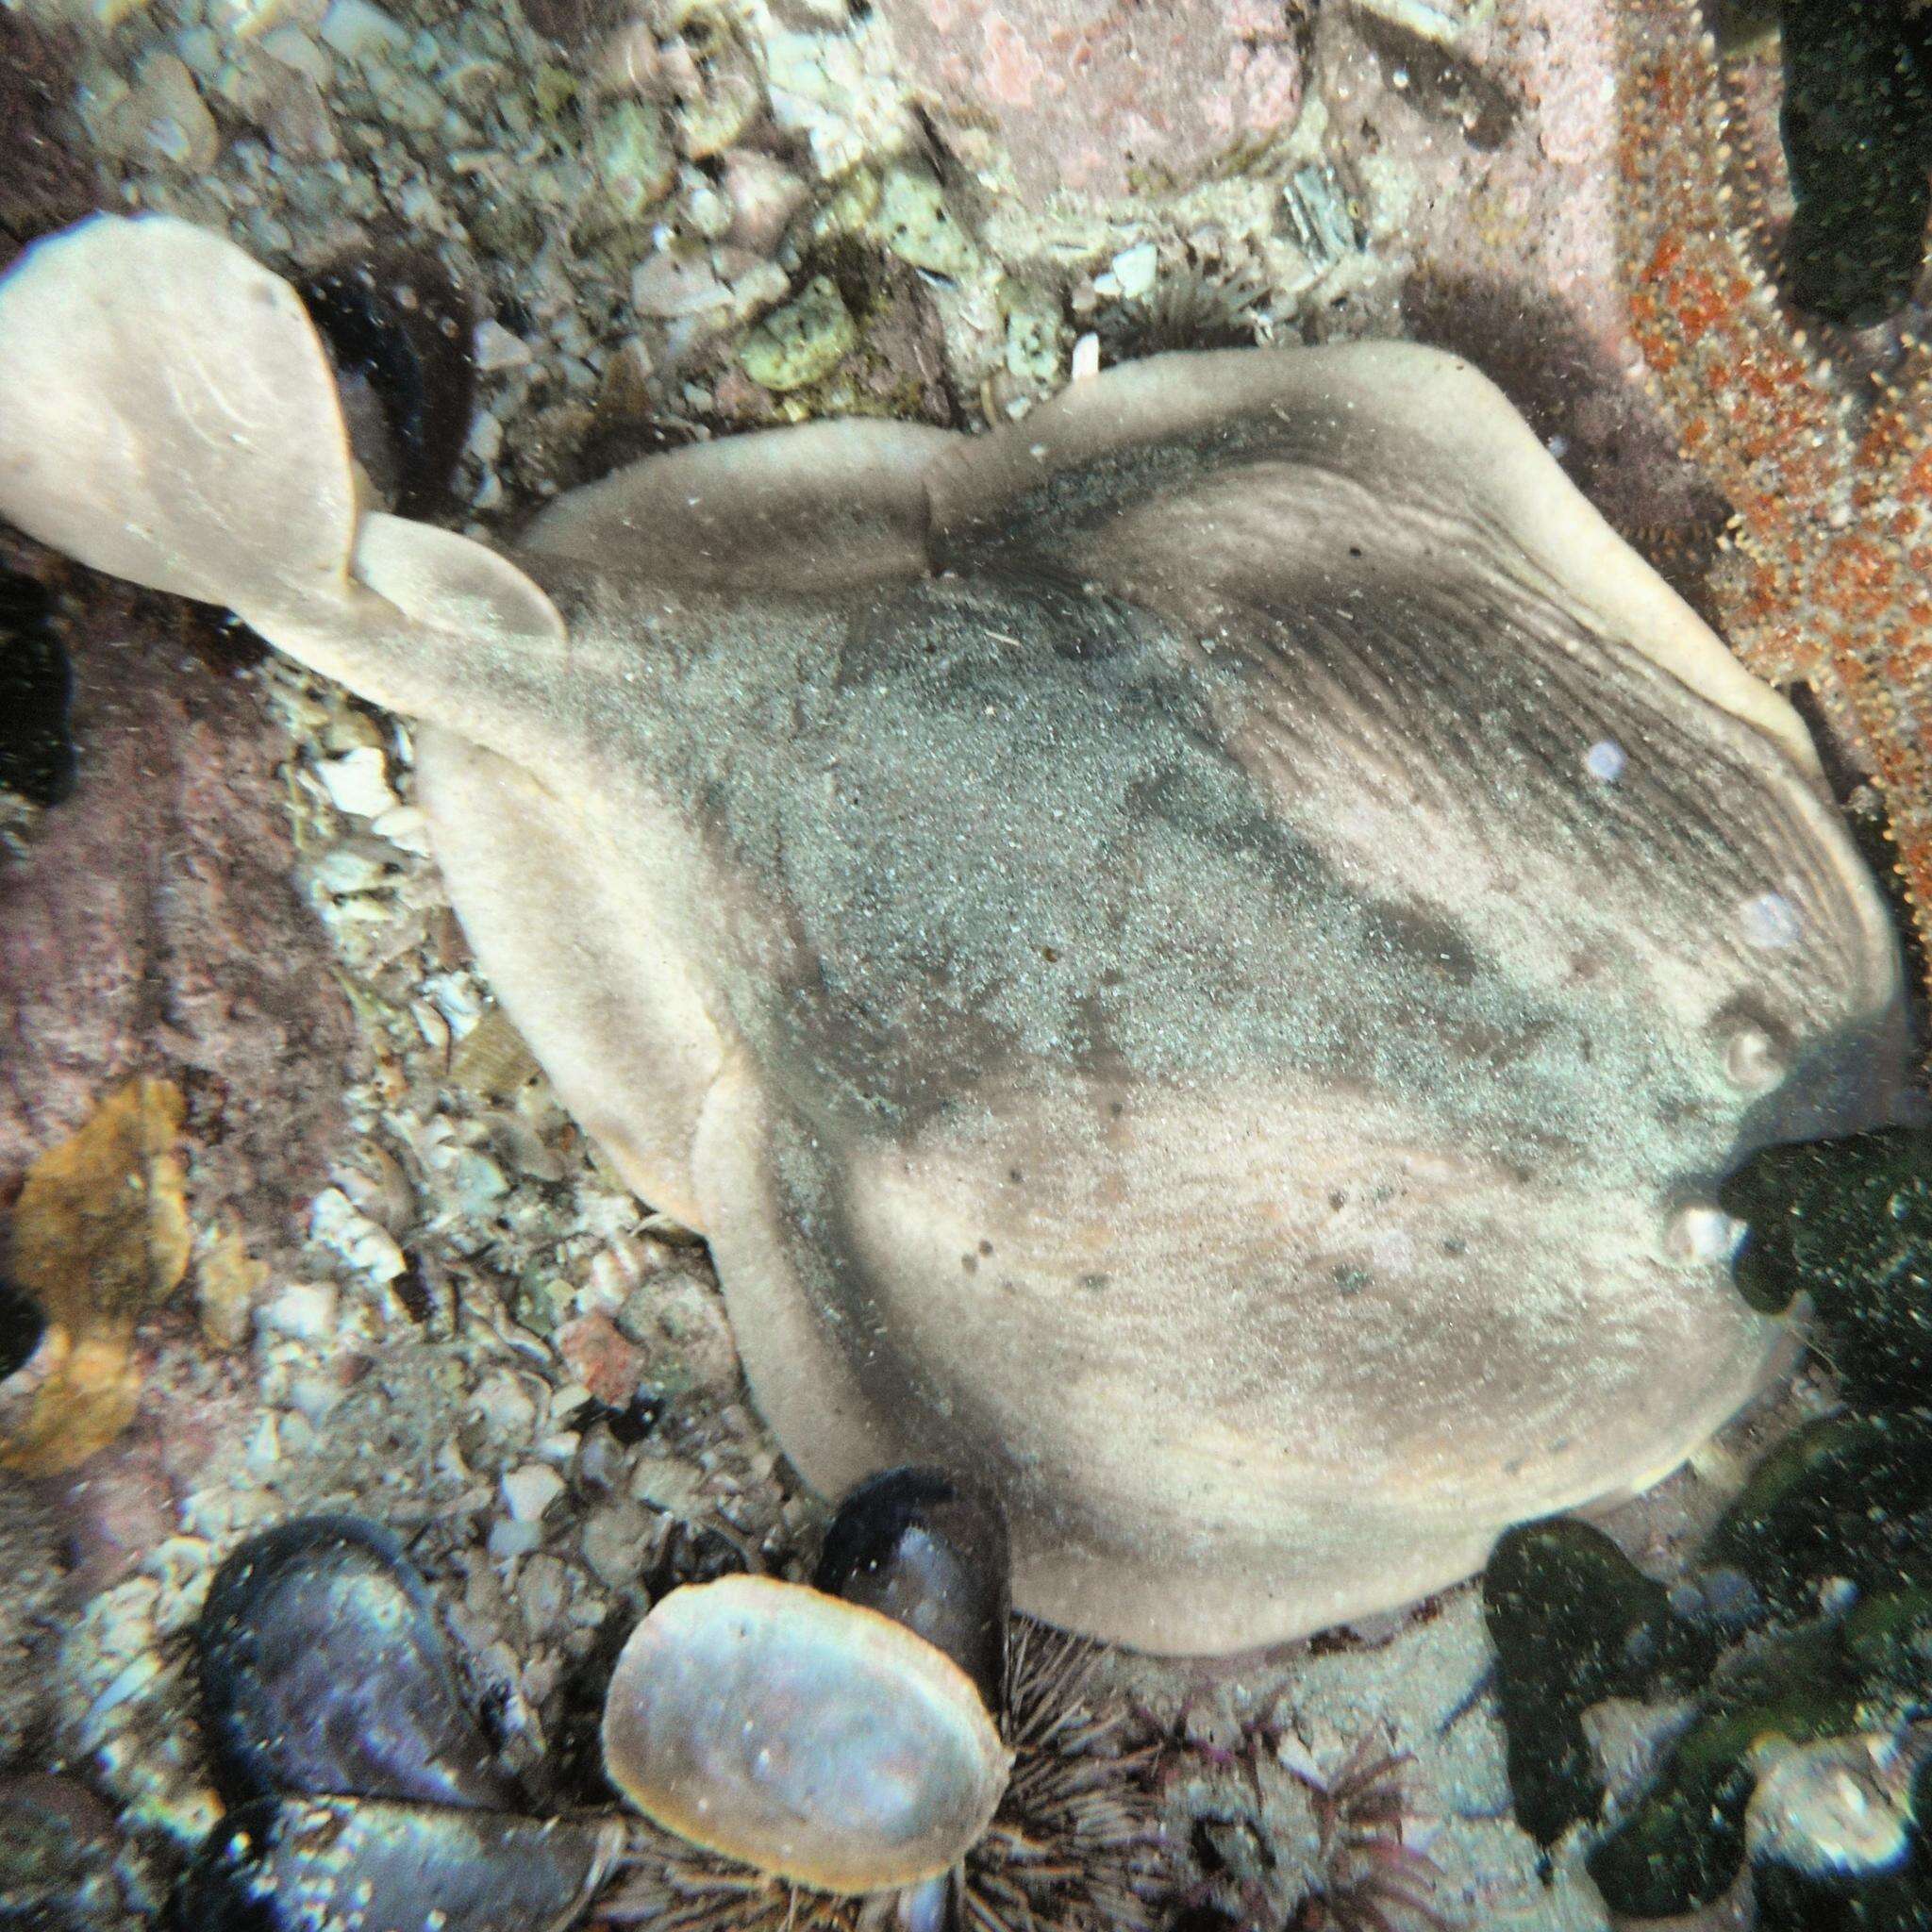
{"type": "Point", "coordinates": [172, 418]}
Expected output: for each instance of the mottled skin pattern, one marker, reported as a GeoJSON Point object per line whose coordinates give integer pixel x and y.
{"type": "Point", "coordinates": [1829, 576]}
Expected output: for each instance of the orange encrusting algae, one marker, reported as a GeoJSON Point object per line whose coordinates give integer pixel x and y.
{"type": "Point", "coordinates": [1831, 579]}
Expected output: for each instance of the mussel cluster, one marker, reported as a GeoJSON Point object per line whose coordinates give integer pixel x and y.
{"type": "Point", "coordinates": [840, 1741]}
{"type": "Point", "coordinates": [360, 1790]}
{"type": "Point", "coordinates": [1801, 1641]}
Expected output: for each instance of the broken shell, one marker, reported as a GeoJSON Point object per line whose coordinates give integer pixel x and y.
{"type": "Point", "coordinates": [813, 1739]}
{"type": "Point", "coordinates": [293, 1864]}
{"type": "Point", "coordinates": [1833, 1806]}
{"type": "Point", "coordinates": [322, 1670]}
{"type": "Point", "coordinates": [929, 1551]}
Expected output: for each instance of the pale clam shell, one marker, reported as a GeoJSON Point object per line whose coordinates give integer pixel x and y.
{"type": "Point", "coordinates": [813, 1739]}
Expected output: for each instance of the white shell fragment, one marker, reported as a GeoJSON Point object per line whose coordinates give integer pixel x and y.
{"type": "Point", "coordinates": [1833, 1808]}
{"type": "Point", "coordinates": [1110, 928]}
{"type": "Point", "coordinates": [812, 1738]}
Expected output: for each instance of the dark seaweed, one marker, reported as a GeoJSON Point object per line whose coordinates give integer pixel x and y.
{"type": "Point", "coordinates": [1825, 1560]}
{"type": "Point", "coordinates": [1856, 123]}
{"type": "Point", "coordinates": [36, 687]}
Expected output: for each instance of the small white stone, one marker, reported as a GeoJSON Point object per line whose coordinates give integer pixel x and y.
{"type": "Point", "coordinates": [305, 1311]}
{"type": "Point", "coordinates": [294, 48]}
{"type": "Point", "coordinates": [504, 1405]}
{"type": "Point", "coordinates": [459, 998]}
{"type": "Point", "coordinates": [1085, 362]}
{"type": "Point", "coordinates": [530, 1490]}
{"type": "Point", "coordinates": [201, 48]}
{"type": "Point", "coordinates": [493, 348]}
{"type": "Point", "coordinates": [509, 1537]}
{"type": "Point", "coordinates": [477, 1183]}
{"type": "Point", "coordinates": [486, 439]}
{"type": "Point", "coordinates": [245, 19]}
{"type": "Point", "coordinates": [363, 31]}
{"type": "Point", "coordinates": [337, 1223]}
{"type": "Point", "coordinates": [1605, 760]}
{"type": "Point", "coordinates": [315, 1397]}
{"type": "Point", "coordinates": [346, 869]}
{"type": "Point", "coordinates": [671, 1484]}
{"type": "Point", "coordinates": [1135, 268]}
{"type": "Point", "coordinates": [264, 1449]}
{"type": "Point", "coordinates": [677, 282]}
{"type": "Point", "coordinates": [405, 828]}
{"type": "Point", "coordinates": [358, 783]}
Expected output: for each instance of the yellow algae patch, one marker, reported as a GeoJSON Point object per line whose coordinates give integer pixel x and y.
{"type": "Point", "coordinates": [100, 1235]}
{"type": "Point", "coordinates": [227, 1280]}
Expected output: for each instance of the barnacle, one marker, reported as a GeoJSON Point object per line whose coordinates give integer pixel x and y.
{"type": "Point", "coordinates": [1201, 299]}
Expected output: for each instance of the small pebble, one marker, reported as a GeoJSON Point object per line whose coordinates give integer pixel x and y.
{"type": "Point", "coordinates": [1135, 268]}
{"type": "Point", "coordinates": [495, 349]}
{"type": "Point", "coordinates": [358, 783]}
{"type": "Point", "coordinates": [530, 1490]}
{"type": "Point", "coordinates": [304, 1312]}
{"type": "Point", "coordinates": [362, 31]}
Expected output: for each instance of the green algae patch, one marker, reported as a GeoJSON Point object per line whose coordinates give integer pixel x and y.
{"type": "Point", "coordinates": [802, 342]}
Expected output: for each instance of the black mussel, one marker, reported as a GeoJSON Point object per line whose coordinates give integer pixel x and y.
{"type": "Point", "coordinates": [317, 1864]}
{"type": "Point", "coordinates": [928, 1550]}
{"type": "Point", "coordinates": [324, 1671]}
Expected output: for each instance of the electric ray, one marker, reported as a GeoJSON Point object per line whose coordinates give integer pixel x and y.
{"type": "Point", "coordinates": [1199, 956]}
